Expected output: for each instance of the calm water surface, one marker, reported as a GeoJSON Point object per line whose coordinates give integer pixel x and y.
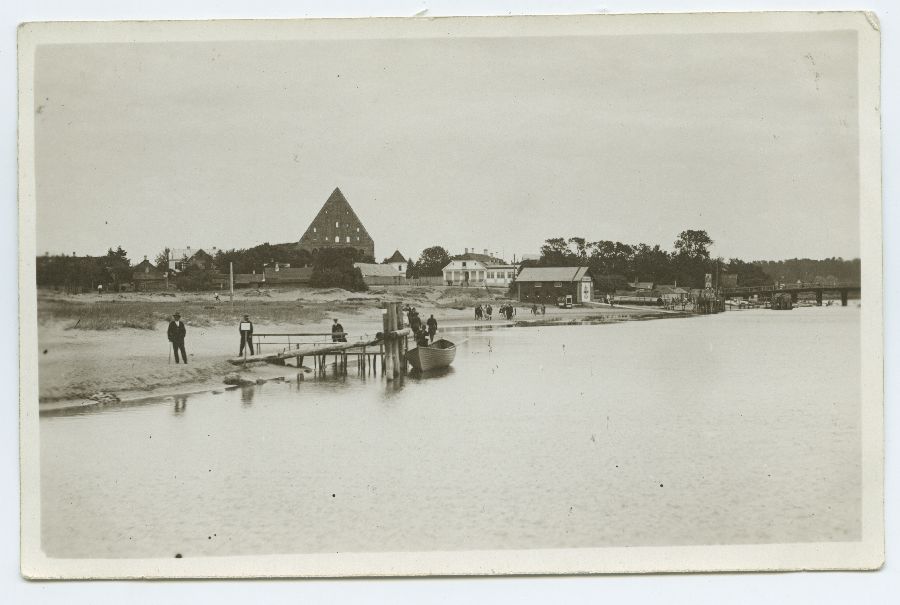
{"type": "Point", "coordinates": [738, 428]}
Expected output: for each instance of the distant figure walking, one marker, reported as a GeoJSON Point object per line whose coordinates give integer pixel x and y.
{"type": "Point", "coordinates": [246, 330]}
{"type": "Point", "coordinates": [176, 334]}
{"type": "Point", "coordinates": [337, 332]}
{"type": "Point", "coordinates": [490, 312]}
{"type": "Point", "coordinates": [543, 309]}
{"type": "Point", "coordinates": [100, 289]}
{"type": "Point", "coordinates": [534, 308]}
{"type": "Point", "coordinates": [477, 312]}
{"type": "Point", "coordinates": [432, 327]}
{"type": "Point", "coordinates": [415, 322]}
{"type": "Point", "coordinates": [216, 297]}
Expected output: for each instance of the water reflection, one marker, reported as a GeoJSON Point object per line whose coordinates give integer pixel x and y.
{"type": "Point", "coordinates": [430, 374]}
{"type": "Point", "coordinates": [180, 404]}
{"type": "Point", "coordinates": [247, 394]}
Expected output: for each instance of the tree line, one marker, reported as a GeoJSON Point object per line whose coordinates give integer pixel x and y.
{"type": "Point", "coordinates": [616, 264]}
{"type": "Point", "coordinates": [613, 265]}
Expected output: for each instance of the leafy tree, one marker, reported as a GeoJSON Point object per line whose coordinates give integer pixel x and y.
{"type": "Point", "coordinates": [555, 253]}
{"type": "Point", "coordinates": [694, 244]}
{"type": "Point", "coordinates": [258, 257]}
{"type": "Point", "coordinates": [193, 279]}
{"type": "Point", "coordinates": [333, 268]}
{"type": "Point", "coordinates": [116, 268]}
{"type": "Point", "coordinates": [432, 261]}
{"type": "Point", "coordinates": [162, 259]}
{"type": "Point", "coordinates": [748, 274]}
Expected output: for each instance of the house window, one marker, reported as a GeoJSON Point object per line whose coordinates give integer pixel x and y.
{"type": "Point", "coordinates": [538, 284]}
{"type": "Point", "coordinates": [314, 230]}
{"type": "Point", "coordinates": [357, 238]}
{"type": "Point", "coordinates": [557, 285]}
{"type": "Point", "coordinates": [464, 263]}
{"type": "Point", "coordinates": [357, 230]}
{"type": "Point", "coordinates": [337, 239]}
{"type": "Point", "coordinates": [347, 240]}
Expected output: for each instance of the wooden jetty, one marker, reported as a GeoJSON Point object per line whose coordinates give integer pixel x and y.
{"type": "Point", "coordinates": [387, 350]}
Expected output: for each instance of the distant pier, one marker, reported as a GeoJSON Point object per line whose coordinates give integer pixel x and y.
{"type": "Point", "coordinates": [844, 288]}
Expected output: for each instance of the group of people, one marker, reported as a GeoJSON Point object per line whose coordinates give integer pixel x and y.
{"type": "Point", "coordinates": [177, 332]}
{"type": "Point", "coordinates": [423, 331]}
{"type": "Point", "coordinates": [507, 311]}
{"type": "Point", "coordinates": [486, 312]}
{"type": "Point", "coordinates": [535, 310]}
{"type": "Point", "coordinates": [483, 312]}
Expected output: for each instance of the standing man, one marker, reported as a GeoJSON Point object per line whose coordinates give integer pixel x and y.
{"type": "Point", "coordinates": [337, 332]}
{"type": "Point", "coordinates": [176, 335]}
{"type": "Point", "coordinates": [100, 289]}
{"type": "Point", "coordinates": [432, 327]}
{"type": "Point", "coordinates": [246, 330]}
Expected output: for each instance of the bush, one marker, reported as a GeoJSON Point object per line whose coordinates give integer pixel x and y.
{"type": "Point", "coordinates": [333, 268]}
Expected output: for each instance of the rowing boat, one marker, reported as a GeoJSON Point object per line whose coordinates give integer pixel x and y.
{"type": "Point", "coordinates": [438, 354]}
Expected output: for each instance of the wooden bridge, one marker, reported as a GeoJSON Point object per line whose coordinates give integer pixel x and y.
{"type": "Point", "coordinates": [386, 349]}
{"type": "Point", "coordinates": [795, 289]}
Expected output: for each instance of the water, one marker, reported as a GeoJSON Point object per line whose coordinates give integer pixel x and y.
{"type": "Point", "coordinates": [737, 428]}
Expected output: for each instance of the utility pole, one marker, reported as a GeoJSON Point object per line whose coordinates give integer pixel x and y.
{"type": "Point", "coordinates": [231, 282]}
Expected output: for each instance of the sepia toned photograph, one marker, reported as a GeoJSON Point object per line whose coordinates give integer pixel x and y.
{"type": "Point", "coordinates": [518, 295]}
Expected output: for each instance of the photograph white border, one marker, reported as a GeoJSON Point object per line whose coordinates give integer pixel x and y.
{"type": "Point", "coordinates": [866, 554]}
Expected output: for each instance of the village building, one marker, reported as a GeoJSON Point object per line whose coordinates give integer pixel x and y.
{"type": "Point", "coordinates": [397, 262]}
{"type": "Point", "coordinates": [184, 258]}
{"type": "Point", "coordinates": [337, 226]}
{"type": "Point", "coordinates": [484, 258]}
{"type": "Point", "coordinates": [546, 285]}
{"type": "Point", "coordinates": [672, 293]}
{"type": "Point", "coordinates": [641, 285]}
{"type": "Point", "coordinates": [249, 280]}
{"type": "Point", "coordinates": [285, 276]}
{"type": "Point", "coordinates": [146, 277]}
{"type": "Point", "coordinates": [380, 275]}
{"type": "Point", "coordinates": [478, 269]}
{"type": "Point", "coordinates": [499, 275]}
{"type": "Point", "coordinates": [460, 272]}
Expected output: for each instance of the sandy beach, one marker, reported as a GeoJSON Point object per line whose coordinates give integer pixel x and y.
{"type": "Point", "coordinates": [89, 349]}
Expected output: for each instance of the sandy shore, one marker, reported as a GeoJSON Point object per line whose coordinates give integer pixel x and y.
{"type": "Point", "coordinates": [75, 365]}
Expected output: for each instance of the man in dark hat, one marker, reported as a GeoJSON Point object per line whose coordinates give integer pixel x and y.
{"type": "Point", "coordinates": [246, 330]}
{"type": "Point", "coordinates": [337, 332]}
{"type": "Point", "coordinates": [176, 335]}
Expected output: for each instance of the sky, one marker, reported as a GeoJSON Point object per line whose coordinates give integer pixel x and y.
{"type": "Point", "coordinates": [484, 143]}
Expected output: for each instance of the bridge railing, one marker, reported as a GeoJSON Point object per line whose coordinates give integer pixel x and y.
{"type": "Point", "coordinates": [793, 287]}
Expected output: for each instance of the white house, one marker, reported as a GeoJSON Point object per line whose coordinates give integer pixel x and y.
{"type": "Point", "coordinates": [465, 273]}
{"type": "Point", "coordinates": [500, 275]}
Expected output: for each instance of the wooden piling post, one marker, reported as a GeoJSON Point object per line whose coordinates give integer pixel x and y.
{"type": "Point", "coordinates": [389, 319]}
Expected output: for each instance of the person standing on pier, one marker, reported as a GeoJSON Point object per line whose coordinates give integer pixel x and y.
{"type": "Point", "coordinates": [246, 330]}
{"type": "Point", "coordinates": [337, 332]}
{"type": "Point", "coordinates": [432, 327]}
{"type": "Point", "coordinates": [176, 334]}
{"type": "Point", "coordinates": [415, 322]}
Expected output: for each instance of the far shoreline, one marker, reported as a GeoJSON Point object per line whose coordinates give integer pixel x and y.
{"type": "Point", "coordinates": [215, 367]}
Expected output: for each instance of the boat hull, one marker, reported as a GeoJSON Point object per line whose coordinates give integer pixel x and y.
{"type": "Point", "coordinates": [439, 354]}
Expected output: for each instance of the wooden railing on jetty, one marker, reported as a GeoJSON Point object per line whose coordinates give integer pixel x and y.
{"type": "Point", "coordinates": [388, 347]}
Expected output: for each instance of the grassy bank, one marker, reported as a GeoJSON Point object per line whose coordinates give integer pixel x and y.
{"type": "Point", "coordinates": [113, 314]}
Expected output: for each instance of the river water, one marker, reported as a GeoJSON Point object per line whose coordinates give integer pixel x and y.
{"type": "Point", "coordinates": [737, 428]}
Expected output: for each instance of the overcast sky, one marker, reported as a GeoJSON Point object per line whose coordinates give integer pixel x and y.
{"type": "Point", "coordinates": [494, 143]}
